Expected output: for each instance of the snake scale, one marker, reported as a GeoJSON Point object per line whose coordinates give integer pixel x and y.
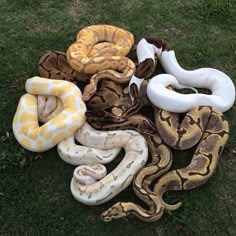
{"type": "Point", "coordinates": [202, 126]}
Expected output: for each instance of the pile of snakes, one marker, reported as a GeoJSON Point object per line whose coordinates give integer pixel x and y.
{"type": "Point", "coordinates": [89, 101]}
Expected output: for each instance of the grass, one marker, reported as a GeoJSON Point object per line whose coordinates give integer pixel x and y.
{"type": "Point", "coordinates": [34, 188]}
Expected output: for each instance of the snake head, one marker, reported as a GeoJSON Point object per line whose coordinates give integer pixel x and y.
{"type": "Point", "coordinates": [115, 212]}
{"type": "Point", "coordinates": [89, 91]}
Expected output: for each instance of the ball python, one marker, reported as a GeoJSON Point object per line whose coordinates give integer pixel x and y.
{"type": "Point", "coordinates": [25, 123]}
{"type": "Point", "coordinates": [161, 160]}
{"type": "Point", "coordinates": [54, 65]}
{"type": "Point", "coordinates": [147, 58]}
{"type": "Point", "coordinates": [109, 63]}
{"type": "Point", "coordinates": [48, 107]}
{"type": "Point", "coordinates": [75, 154]}
{"type": "Point", "coordinates": [92, 189]}
{"type": "Point", "coordinates": [124, 114]}
{"type": "Point", "coordinates": [220, 85]}
{"type": "Point", "coordinates": [200, 169]}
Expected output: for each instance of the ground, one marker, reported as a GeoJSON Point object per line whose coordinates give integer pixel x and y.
{"type": "Point", "coordinates": [34, 187]}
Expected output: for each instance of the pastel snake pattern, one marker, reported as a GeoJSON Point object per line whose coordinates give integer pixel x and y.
{"type": "Point", "coordinates": [203, 164]}
{"type": "Point", "coordinates": [161, 160]}
{"type": "Point", "coordinates": [109, 62]}
{"type": "Point", "coordinates": [92, 188]}
{"type": "Point", "coordinates": [25, 123]}
{"type": "Point", "coordinates": [221, 86]}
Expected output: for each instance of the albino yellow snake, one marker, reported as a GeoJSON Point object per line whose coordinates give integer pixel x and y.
{"type": "Point", "coordinates": [25, 123]}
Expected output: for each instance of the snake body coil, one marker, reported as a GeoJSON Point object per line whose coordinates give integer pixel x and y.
{"type": "Point", "coordinates": [91, 189]}
{"type": "Point", "coordinates": [109, 63]}
{"type": "Point", "coordinates": [203, 126]}
{"type": "Point", "coordinates": [221, 86]}
{"type": "Point", "coordinates": [25, 123]}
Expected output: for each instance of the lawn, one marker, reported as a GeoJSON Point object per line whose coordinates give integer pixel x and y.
{"type": "Point", "coordinates": [34, 187]}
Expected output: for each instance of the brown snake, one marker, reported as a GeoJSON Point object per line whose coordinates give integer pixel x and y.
{"type": "Point", "coordinates": [201, 168]}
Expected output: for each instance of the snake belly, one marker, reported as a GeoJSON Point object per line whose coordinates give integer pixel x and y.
{"type": "Point", "coordinates": [95, 191]}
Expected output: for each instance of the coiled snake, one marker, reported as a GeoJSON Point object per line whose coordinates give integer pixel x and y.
{"type": "Point", "coordinates": [109, 62]}
{"type": "Point", "coordinates": [90, 184]}
{"type": "Point", "coordinates": [25, 123]}
{"type": "Point", "coordinates": [221, 86]}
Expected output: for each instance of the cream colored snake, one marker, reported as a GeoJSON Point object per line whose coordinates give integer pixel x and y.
{"type": "Point", "coordinates": [90, 183]}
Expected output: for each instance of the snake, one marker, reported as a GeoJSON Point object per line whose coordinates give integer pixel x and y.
{"type": "Point", "coordinates": [161, 160]}
{"type": "Point", "coordinates": [25, 122]}
{"type": "Point", "coordinates": [76, 154]}
{"type": "Point", "coordinates": [124, 114]}
{"type": "Point", "coordinates": [111, 97]}
{"type": "Point", "coordinates": [91, 185]}
{"type": "Point", "coordinates": [54, 65]}
{"type": "Point", "coordinates": [201, 168]}
{"type": "Point", "coordinates": [221, 86]}
{"type": "Point", "coordinates": [110, 62]}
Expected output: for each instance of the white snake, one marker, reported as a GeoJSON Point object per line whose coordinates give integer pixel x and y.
{"type": "Point", "coordinates": [90, 184]}
{"type": "Point", "coordinates": [221, 86]}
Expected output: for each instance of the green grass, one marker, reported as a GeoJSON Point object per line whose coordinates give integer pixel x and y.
{"type": "Point", "coordinates": [34, 188]}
